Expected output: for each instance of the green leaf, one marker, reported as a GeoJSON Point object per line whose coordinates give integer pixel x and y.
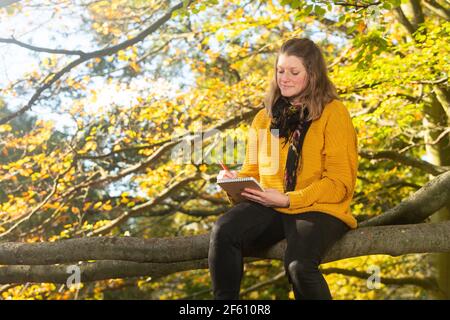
{"type": "Point", "coordinates": [319, 10]}
{"type": "Point", "coordinates": [295, 4]}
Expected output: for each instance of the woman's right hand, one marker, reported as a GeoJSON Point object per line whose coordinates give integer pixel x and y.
{"type": "Point", "coordinates": [225, 174]}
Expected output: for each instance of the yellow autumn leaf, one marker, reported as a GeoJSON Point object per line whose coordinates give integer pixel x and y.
{"type": "Point", "coordinates": [5, 128]}
{"type": "Point", "coordinates": [135, 66]}
{"type": "Point", "coordinates": [90, 145]}
{"type": "Point", "coordinates": [97, 205]}
{"type": "Point", "coordinates": [122, 55]}
{"type": "Point", "coordinates": [87, 205]}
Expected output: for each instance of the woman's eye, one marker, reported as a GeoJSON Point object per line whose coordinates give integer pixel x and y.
{"type": "Point", "coordinates": [294, 73]}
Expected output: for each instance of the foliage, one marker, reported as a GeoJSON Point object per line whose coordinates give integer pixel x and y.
{"type": "Point", "coordinates": [210, 62]}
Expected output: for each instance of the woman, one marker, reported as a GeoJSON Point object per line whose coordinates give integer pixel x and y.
{"type": "Point", "coordinates": [307, 199]}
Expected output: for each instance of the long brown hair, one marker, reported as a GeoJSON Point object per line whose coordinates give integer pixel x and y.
{"type": "Point", "coordinates": [319, 89]}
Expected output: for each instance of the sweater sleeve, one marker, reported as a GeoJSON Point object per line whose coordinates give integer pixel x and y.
{"type": "Point", "coordinates": [339, 176]}
{"type": "Point", "coordinates": [250, 166]}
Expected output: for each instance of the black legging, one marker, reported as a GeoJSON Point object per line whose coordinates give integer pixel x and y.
{"type": "Point", "coordinates": [250, 225]}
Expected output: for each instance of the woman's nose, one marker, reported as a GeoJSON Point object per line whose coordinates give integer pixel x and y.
{"type": "Point", "coordinates": [284, 79]}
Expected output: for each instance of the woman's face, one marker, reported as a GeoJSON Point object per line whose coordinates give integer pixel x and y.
{"type": "Point", "coordinates": [291, 75]}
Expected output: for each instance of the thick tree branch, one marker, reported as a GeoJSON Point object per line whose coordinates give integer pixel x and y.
{"type": "Point", "coordinates": [157, 250]}
{"type": "Point", "coordinates": [101, 270]}
{"type": "Point", "coordinates": [158, 257]}
{"type": "Point", "coordinates": [419, 206]}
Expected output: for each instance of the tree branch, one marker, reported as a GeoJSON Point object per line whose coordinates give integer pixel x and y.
{"type": "Point", "coordinates": [163, 256]}
{"type": "Point", "coordinates": [436, 81]}
{"type": "Point", "coordinates": [416, 163]}
{"type": "Point", "coordinates": [404, 20]}
{"type": "Point", "coordinates": [262, 284]}
{"type": "Point", "coordinates": [417, 12]}
{"type": "Point", "coordinates": [419, 206]}
{"type": "Point", "coordinates": [41, 49]}
{"type": "Point", "coordinates": [26, 216]}
{"type": "Point", "coordinates": [437, 9]}
{"type": "Point", "coordinates": [426, 283]}
{"type": "Point", "coordinates": [143, 207]}
{"type": "Point", "coordinates": [355, 5]}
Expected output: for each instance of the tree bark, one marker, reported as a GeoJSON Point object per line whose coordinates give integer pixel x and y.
{"type": "Point", "coordinates": [419, 206]}
{"type": "Point", "coordinates": [436, 115]}
{"type": "Point", "coordinates": [130, 257]}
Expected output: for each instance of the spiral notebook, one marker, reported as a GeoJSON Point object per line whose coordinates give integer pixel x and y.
{"type": "Point", "coordinates": [235, 186]}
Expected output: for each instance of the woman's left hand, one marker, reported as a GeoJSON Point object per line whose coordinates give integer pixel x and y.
{"type": "Point", "coordinates": [268, 198]}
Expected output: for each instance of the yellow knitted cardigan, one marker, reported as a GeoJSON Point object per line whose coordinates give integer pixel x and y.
{"type": "Point", "coordinates": [326, 174]}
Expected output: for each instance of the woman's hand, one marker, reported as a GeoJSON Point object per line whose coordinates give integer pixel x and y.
{"type": "Point", "coordinates": [268, 198]}
{"type": "Point", "coordinates": [225, 174]}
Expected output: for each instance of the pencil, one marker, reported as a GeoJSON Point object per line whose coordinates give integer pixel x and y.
{"type": "Point", "coordinates": [224, 167]}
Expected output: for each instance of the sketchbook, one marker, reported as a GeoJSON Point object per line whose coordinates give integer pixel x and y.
{"type": "Point", "coordinates": [235, 186]}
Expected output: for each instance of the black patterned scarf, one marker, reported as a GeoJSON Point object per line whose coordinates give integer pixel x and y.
{"type": "Point", "coordinates": [286, 118]}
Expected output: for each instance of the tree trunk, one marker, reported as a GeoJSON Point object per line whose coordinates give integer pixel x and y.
{"type": "Point", "coordinates": [439, 154]}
